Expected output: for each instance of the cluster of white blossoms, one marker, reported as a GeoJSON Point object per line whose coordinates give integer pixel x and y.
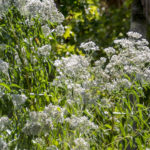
{"type": "Point", "coordinates": [81, 144]}
{"type": "Point", "coordinates": [55, 112]}
{"type": "Point", "coordinates": [44, 50]}
{"type": "Point", "coordinates": [18, 99]}
{"type": "Point", "coordinates": [38, 123]}
{"type": "Point", "coordinates": [134, 35]}
{"type": "Point", "coordinates": [4, 66]}
{"type": "Point", "coordinates": [4, 5]}
{"type": "Point", "coordinates": [132, 60]}
{"type": "Point", "coordinates": [72, 66]}
{"type": "Point", "coordinates": [89, 46]}
{"type": "Point", "coordinates": [60, 30]}
{"type": "Point", "coordinates": [110, 51]}
{"type": "Point", "coordinates": [4, 123]}
{"type": "Point", "coordinates": [126, 64]}
{"type": "Point", "coordinates": [42, 122]}
{"type": "Point", "coordinates": [46, 30]}
{"type": "Point", "coordinates": [81, 123]}
{"type": "Point", "coordinates": [3, 145]}
{"type": "Point", "coordinates": [74, 74]}
{"type": "Point", "coordinates": [45, 9]}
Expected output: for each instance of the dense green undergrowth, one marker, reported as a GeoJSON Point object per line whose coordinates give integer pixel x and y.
{"type": "Point", "coordinates": [55, 94]}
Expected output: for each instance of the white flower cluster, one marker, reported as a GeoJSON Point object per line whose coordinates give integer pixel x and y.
{"type": "Point", "coordinates": [44, 50]}
{"type": "Point", "coordinates": [109, 51]}
{"type": "Point", "coordinates": [74, 74]}
{"type": "Point", "coordinates": [4, 66]}
{"type": "Point", "coordinates": [134, 35]}
{"type": "Point", "coordinates": [18, 99]}
{"type": "Point", "coordinates": [46, 30]}
{"type": "Point", "coordinates": [42, 122]}
{"type": "Point", "coordinates": [131, 58]}
{"type": "Point", "coordinates": [55, 112]}
{"type": "Point", "coordinates": [82, 123]}
{"type": "Point", "coordinates": [72, 66]}
{"type": "Point", "coordinates": [38, 123]}
{"type": "Point", "coordinates": [81, 144]}
{"type": "Point", "coordinates": [3, 145]}
{"type": "Point", "coordinates": [4, 5]}
{"type": "Point", "coordinates": [4, 123]}
{"type": "Point", "coordinates": [46, 9]}
{"type": "Point", "coordinates": [60, 30]}
{"type": "Point", "coordinates": [89, 46]}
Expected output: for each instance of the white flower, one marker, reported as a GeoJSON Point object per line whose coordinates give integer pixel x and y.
{"type": "Point", "coordinates": [89, 46]}
{"type": "Point", "coordinates": [44, 50]}
{"type": "Point", "coordinates": [55, 112]}
{"type": "Point", "coordinates": [39, 122]}
{"type": "Point", "coordinates": [4, 5]}
{"type": "Point", "coordinates": [4, 123]}
{"type": "Point", "coordinates": [142, 42]}
{"type": "Point", "coordinates": [134, 35]}
{"type": "Point", "coordinates": [59, 30]}
{"type": "Point", "coordinates": [4, 67]}
{"type": "Point", "coordinates": [57, 63]}
{"type": "Point", "coordinates": [32, 128]}
{"type": "Point", "coordinates": [3, 145]}
{"type": "Point", "coordinates": [18, 99]}
{"type": "Point", "coordinates": [81, 144]}
{"type": "Point", "coordinates": [46, 9]}
{"type": "Point", "coordinates": [100, 62]}
{"type": "Point", "coordinates": [125, 43]}
{"type": "Point", "coordinates": [81, 122]}
{"type": "Point", "coordinates": [46, 30]}
{"type": "Point", "coordinates": [72, 66]}
{"type": "Point", "coordinates": [109, 51]}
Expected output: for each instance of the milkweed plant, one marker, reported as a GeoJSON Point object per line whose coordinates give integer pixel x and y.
{"type": "Point", "coordinates": [52, 100]}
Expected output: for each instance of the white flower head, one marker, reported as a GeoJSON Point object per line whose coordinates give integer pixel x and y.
{"type": "Point", "coordinates": [81, 144]}
{"type": "Point", "coordinates": [60, 30]}
{"type": "Point", "coordinates": [4, 123]}
{"type": "Point", "coordinates": [46, 30]}
{"type": "Point", "coordinates": [32, 128]}
{"type": "Point", "coordinates": [55, 112]}
{"type": "Point", "coordinates": [125, 43]}
{"type": "Point", "coordinates": [110, 51]}
{"type": "Point", "coordinates": [18, 99]}
{"type": "Point", "coordinates": [44, 50]}
{"type": "Point", "coordinates": [134, 35]}
{"type": "Point", "coordinates": [4, 67]}
{"type": "Point", "coordinates": [89, 46]}
{"type": "Point", "coordinates": [45, 9]}
{"type": "Point", "coordinates": [81, 122]}
{"type": "Point", "coordinates": [3, 145]}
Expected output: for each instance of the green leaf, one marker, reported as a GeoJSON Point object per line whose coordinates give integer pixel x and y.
{"type": "Point", "coordinates": [15, 85]}
{"type": "Point", "coordinates": [6, 86]}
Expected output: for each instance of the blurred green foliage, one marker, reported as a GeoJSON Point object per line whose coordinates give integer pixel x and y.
{"type": "Point", "coordinates": [94, 20]}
